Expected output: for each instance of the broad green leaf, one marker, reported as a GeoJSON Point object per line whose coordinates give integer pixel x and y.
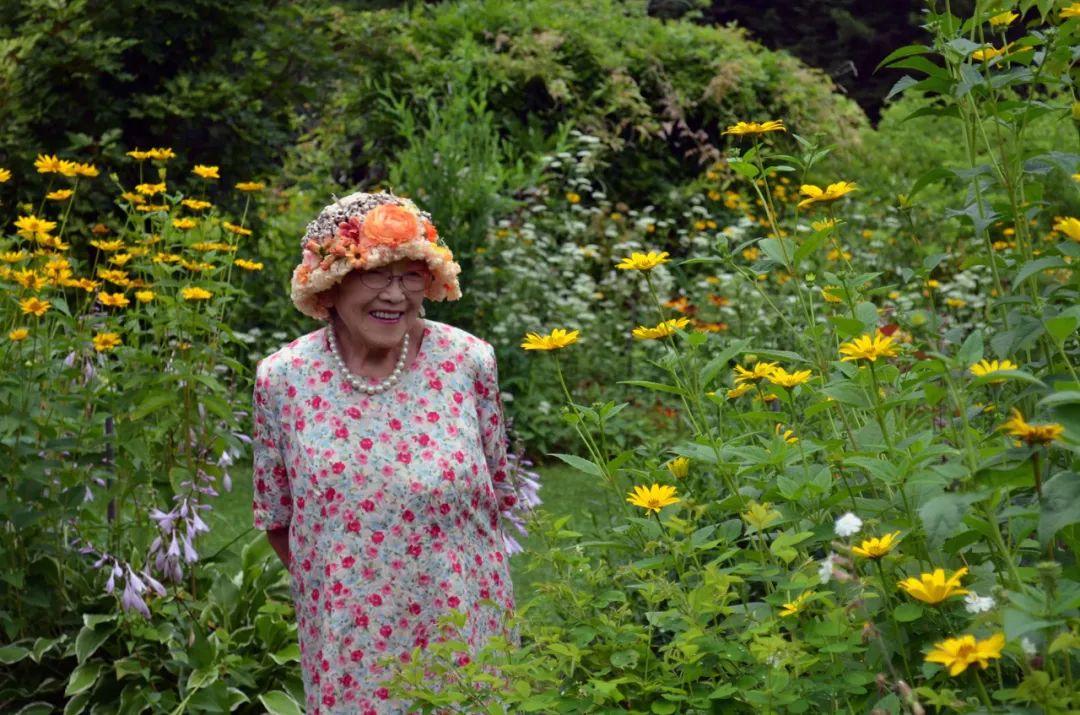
{"type": "Point", "coordinates": [278, 702]}
{"type": "Point", "coordinates": [12, 654]}
{"type": "Point", "coordinates": [901, 53]}
{"type": "Point", "coordinates": [907, 612]}
{"type": "Point", "coordinates": [1060, 504]}
{"type": "Point", "coordinates": [288, 654]}
{"type": "Point", "coordinates": [1037, 266]}
{"type": "Point", "coordinates": [90, 639]}
{"type": "Point", "coordinates": [718, 363]}
{"type": "Point", "coordinates": [202, 677]}
{"type": "Point", "coordinates": [972, 350]}
{"type": "Point", "coordinates": [783, 545]}
{"type": "Point", "coordinates": [779, 250]}
{"type": "Point", "coordinates": [1061, 326]}
{"type": "Point", "coordinates": [943, 516]}
{"type": "Point", "coordinates": [83, 677]}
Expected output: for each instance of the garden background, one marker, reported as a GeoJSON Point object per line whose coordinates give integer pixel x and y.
{"type": "Point", "coordinates": [834, 358]}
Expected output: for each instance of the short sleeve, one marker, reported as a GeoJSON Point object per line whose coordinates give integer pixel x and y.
{"type": "Point", "coordinates": [493, 428]}
{"type": "Point", "coordinates": [271, 497]}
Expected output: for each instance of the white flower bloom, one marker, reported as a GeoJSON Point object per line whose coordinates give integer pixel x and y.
{"type": "Point", "coordinates": [848, 525]}
{"type": "Point", "coordinates": [825, 570]}
{"type": "Point", "coordinates": [974, 603]}
{"type": "Point", "coordinates": [1028, 647]}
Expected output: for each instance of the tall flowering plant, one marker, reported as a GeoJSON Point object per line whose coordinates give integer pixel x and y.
{"type": "Point", "coordinates": [121, 433]}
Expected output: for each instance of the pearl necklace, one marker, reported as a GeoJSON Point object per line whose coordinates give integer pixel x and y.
{"type": "Point", "coordinates": [356, 381]}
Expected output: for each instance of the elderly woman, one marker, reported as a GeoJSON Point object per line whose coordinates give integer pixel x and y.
{"type": "Point", "coordinates": [380, 457]}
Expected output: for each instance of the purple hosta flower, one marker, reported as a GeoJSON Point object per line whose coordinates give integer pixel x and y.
{"type": "Point", "coordinates": [226, 460]}
{"type": "Point", "coordinates": [524, 490]}
{"type": "Point", "coordinates": [179, 528]}
{"type": "Point", "coordinates": [122, 577]}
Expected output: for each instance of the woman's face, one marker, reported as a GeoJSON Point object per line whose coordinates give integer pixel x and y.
{"type": "Point", "coordinates": [381, 315]}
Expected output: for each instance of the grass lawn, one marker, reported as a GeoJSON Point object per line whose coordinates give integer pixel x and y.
{"type": "Point", "coordinates": [564, 491]}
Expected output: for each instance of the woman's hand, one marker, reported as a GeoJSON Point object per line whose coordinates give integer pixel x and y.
{"type": "Point", "coordinates": [279, 539]}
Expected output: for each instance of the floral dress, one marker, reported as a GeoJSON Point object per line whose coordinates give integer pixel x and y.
{"type": "Point", "coordinates": [393, 507]}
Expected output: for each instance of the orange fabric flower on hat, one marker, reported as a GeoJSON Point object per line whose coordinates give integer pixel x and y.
{"type": "Point", "coordinates": [430, 232]}
{"type": "Point", "coordinates": [390, 225]}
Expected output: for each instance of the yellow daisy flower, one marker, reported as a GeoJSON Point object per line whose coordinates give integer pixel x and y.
{"type": "Point", "coordinates": [652, 498]}
{"type": "Point", "coordinates": [933, 588]}
{"type": "Point", "coordinates": [113, 300]}
{"type": "Point", "coordinates": [956, 654]}
{"type": "Point", "coordinates": [195, 293]}
{"type": "Point", "coordinates": [1032, 434]}
{"type": "Point", "coordinates": [744, 128]}
{"type": "Point", "coordinates": [34, 306]}
{"type": "Point", "coordinates": [817, 195]}
{"type": "Point", "coordinates": [876, 547]}
{"type": "Point", "coordinates": [555, 340]}
{"type": "Point", "coordinates": [790, 609]}
{"type": "Point", "coordinates": [783, 378]}
{"type": "Point", "coordinates": [643, 261]}
{"type": "Point", "coordinates": [668, 327]}
{"type": "Point", "coordinates": [989, 367]}
{"type": "Point", "coordinates": [869, 348]}
{"type": "Point", "coordinates": [104, 342]}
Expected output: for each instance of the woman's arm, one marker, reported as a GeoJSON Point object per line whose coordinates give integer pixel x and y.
{"type": "Point", "coordinates": [279, 539]}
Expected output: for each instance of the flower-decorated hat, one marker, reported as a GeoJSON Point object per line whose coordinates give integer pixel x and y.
{"type": "Point", "coordinates": [363, 231]}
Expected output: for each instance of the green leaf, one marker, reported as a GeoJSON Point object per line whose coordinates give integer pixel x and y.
{"type": "Point", "coordinates": [847, 393]}
{"type": "Point", "coordinates": [154, 402]}
{"type": "Point", "coordinates": [943, 516]}
{"type": "Point", "coordinates": [91, 638]}
{"type": "Point", "coordinates": [658, 386]}
{"type": "Point", "coordinates": [1060, 504]}
{"type": "Point", "coordinates": [39, 707]}
{"type": "Point", "coordinates": [901, 53]}
{"type": "Point", "coordinates": [578, 463]}
{"type": "Point", "coordinates": [921, 64]}
{"type": "Point", "coordinates": [278, 702]}
{"type": "Point", "coordinates": [811, 244]}
{"type": "Point", "coordinates": [718, 363]}
{"type": "Point", "coordinates": [1037, 266]}
{"type": "Point", "coordinates": [202, 677]}
{"type": "Point", "coordinates": [77, 704]}
{"type": "Point", "coordinates": [907, 612]}
{"type": "Point", "coordinates": [846, 327]}
{"type": "Point", "coordinates": [1065, 397]}
{"type": "Point", "coordinates": [12, 654]}
{"type": "Point", "coordinates": [779, 250]}
{"type": "Point", "coordinates": [288, 654]}
{"type": "Point", "coordinates": [783, 545]}
{"type": "Point", "coordinates": [624, 658]}
{"type": "Point", "coordinates": [972, 349]}
{"type": "Point", "coordinates": [83, 678]}
{"type": "Point", "coordinates": [1061, 326]}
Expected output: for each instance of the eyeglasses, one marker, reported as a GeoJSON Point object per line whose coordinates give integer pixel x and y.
{"type": "Point", "coordinates": [411, 282]}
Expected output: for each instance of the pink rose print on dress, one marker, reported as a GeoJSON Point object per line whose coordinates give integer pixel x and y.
{"type": "Point", "coordinates": [392, 503]}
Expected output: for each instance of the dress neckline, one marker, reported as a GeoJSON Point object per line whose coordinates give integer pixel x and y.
{"type": "Point", "coordinates": [412, 366]}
